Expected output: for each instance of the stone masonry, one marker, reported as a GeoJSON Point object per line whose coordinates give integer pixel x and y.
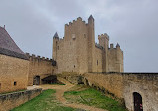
{"type": "Point", "coordinates": [78, 52]}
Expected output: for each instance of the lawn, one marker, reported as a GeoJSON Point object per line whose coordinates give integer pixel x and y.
{"type": "Point", "coordinates": [95, 98]}
{"type": "Point", "coordinates": [44, 102]}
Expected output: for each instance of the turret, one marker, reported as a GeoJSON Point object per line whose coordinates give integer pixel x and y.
{"type": "Point", "coordinates": [104, 40]}
{"type": "Point", "coordinates": [91, 43]}
{"type": "Point", "coordinates": [55, 45]}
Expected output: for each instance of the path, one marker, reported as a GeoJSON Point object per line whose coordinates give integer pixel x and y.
{"type": "Point", "coordinates": [60, 89]}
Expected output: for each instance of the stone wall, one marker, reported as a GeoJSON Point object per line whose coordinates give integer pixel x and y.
{"type": "Point", "coordinates": [39, 66]}
{"type": "Point", "coordinates": [123, 85]}
{"type": "Point", "coordinates": [12, 100]}
{"type": "Point", "coordinates": [115, 59]}
{"type": "Point", "coordinates": [13, 73]}
{"type": "Point", "coordinates": [110, 82]}
{"type": "Point", "coordinates": [77, 51]}
{"type": "Point", "coordinates": [146, 85]}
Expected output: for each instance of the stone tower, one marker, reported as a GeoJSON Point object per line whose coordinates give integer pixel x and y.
{"type": "Point", "coordinates": [91, 43]}
{"type": "Point", "coordinates": [55, 45]}
{"type": "Point", "coordinates": [78, 52]}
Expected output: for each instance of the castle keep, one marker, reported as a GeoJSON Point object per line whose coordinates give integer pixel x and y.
{"type": "Point", "coordinates": [78, 52]}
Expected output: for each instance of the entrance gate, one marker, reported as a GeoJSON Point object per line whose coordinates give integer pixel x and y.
{"type": "Point", "coordinates": [36, 80]}
{"type": "Point", "coordinates": [137, 102]}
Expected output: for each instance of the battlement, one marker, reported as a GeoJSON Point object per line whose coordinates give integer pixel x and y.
{"type": "Point", "coordinates": [105, 35]}
{"type": "Point", "coordinates": [116, 47]}
{"type": "Point", "coordinates": [78, 19]}
{"type": "Point", "coordinates": [99, 46]}
{"type": "Point", "coordinates": [34, 57]}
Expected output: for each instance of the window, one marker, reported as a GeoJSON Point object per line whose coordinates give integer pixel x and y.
{"type": "Point", "coordinates": [73, 36]}
{"type": "Point", "coordinates": [0, 85]}
{"type": "Point", "coordinates": [74, 66]}
{"type": "Point", "coordinates": [15, 83]}
{"type": "Point", "coordinates": [97, 62]}
{"type": "Point", "coordinates": [84, 35]}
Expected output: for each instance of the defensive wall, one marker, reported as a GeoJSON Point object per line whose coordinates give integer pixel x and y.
{"type": "Point", "coordinates": [123, 86]}
{"type": "Point", "coordinates": [39, 67]}
{"type": "Point", "coordinates": [12, 100]}
{"type": "Point", "coordinates": [13, 73]}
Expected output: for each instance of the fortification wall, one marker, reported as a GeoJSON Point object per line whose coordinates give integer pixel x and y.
{"type": "Point", "coordinates": [98, 66]}
{"type": "Point", "coordinates": [12, 100]}
{"type": "Point", "coordinates": [13, 73]}
{"type": "Point", "coordinates": [115, 60]}
{"type": "Point", "coordinates": [72, 50]}
{"type": "Point", "coordinates": [146, 85]}
{"type": "Point", "coordinates": [109, 82]}
{"type": "Point", "coordinates": [123, 85]}
{"type": "Point", "coordinates": [39, 66]}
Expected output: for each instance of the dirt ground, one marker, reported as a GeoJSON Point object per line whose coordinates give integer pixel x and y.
{"type": "Point", "coordinates": [60, 89]}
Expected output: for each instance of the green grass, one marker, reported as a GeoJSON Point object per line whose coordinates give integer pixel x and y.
{"type": "Point", "coordinates": [44, 102]}
{"type": "Point", "coordinates": [95, 98]}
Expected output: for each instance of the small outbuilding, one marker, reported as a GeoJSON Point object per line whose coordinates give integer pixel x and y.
{"type": "Point", "coordinates": [14, 64]}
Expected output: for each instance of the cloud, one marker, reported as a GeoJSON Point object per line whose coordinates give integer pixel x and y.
{"type": "Point", "coordinates": [32, 24]}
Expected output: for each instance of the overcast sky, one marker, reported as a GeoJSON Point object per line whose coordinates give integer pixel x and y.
{"type": "Point", "coordinates": [131, 23]}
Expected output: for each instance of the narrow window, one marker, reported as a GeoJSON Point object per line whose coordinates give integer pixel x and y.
{"type": "Point", "coordinates": [97, 62]}
{"type": "Point", "coordinates": [0, 85]}
{"type": "Point", "coordinates": [84, 35]}
{"type": "Point", "coordinates": [74, 66]}
{"type": "Point", "coordinates": [15, 83]}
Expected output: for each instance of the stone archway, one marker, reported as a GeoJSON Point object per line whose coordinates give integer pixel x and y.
{"type": "Point", "coordinates": [138, 106]}
{"type": "Point", "coordinates": [36, 80]}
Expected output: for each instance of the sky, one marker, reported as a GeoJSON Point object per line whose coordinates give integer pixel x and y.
{"type": "Point", "coordinates": [131, 23]}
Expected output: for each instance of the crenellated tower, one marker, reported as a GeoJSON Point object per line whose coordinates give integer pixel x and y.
{"type": "Point", "coordinates": [78, 52]}
{"type": "Point", "coordinates": [104, 42]}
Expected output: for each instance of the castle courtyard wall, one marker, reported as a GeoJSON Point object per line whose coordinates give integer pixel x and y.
{"type": "Point", "coordinates": [12, 100]}
{"type": "Point", "coordinates": [39, 66]}
{"type": "Point", "coordinates": [13, 73]}
{"type": "Point", "coordinates": [146, 85]}
{"type": "Point", "coordinates": [111, 82]}
{"type": "Point", "coordinates": [123, 85]}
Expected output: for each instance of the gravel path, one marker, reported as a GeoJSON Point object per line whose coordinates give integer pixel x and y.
{"type": "Point", "coordinates": [60, 89]}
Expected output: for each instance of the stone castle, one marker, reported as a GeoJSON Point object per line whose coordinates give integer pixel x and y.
{"type": "Point", "coordinates": [78, 59]}
{"type": "Point", "coordinates": [78, 52]}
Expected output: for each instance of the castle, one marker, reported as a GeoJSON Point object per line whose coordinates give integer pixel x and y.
{"type": "Point", "coordinates": [95, 65]}
{"type": "Point", "coordinates": [78, 52]}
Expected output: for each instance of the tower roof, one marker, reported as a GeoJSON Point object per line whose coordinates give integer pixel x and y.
{"type": "Point", "coordinates": [117, 45]}
{"type": "Point", "coordinates": [8, 46]}
{"type": "Point", "coordinates": [56, 35]}
{"type": "Point", "coordinates": [90, 17]}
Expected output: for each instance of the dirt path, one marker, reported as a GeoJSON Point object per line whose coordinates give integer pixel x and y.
{"type": "Point", "coordinates": [60, 89]}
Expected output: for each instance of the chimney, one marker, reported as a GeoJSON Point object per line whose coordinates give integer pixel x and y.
{"type": "Point", "coordinates": [4, 26]}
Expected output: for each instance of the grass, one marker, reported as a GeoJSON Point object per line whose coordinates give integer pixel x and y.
{"type": "Point", "coordinates": [46, 101]}
{"type": "Point", "coordinates": [95, 98]}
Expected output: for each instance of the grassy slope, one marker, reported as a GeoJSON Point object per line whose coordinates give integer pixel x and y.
{"type": "Point", "coordinates": [44, 102]}
{"type": "Point", "coordinates": [93, 97]}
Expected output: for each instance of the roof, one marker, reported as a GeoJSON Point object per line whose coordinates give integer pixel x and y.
{"type": "Point", "coordinates": [56, 35]}
{"type": "Point", "coordinates": [8, 46]}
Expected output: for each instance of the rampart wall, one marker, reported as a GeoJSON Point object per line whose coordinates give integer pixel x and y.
{"type": "Point", "coordinates": [123, 85]}
{"type": "Point", "coordinates": [12, 100]}
{"type": "Point", "coordinates": [13, 73]}
{"type": "Point", "coordinates": [39, 66]}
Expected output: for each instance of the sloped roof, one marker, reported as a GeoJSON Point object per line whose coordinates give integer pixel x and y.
{"type": "Point", "coordinates": [8, 46]}
{"type": "Point", "coordinates": [56, 35]}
